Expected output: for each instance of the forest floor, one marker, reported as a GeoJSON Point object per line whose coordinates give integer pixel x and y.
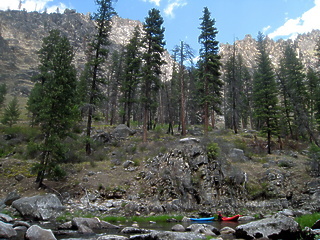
{"type": "Point", "coordinates": [108, 175]}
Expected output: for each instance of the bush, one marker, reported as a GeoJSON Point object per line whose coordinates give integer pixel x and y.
{"type": "Point", "coordinates": [213, 151]}
{"type": "Point", "coordinates": [307, 220]}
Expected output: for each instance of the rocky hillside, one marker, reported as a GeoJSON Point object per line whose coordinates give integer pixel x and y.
{"type": "Point", "coordinates": [21, 35]}
{"type": "Point", "coordinates": [305, 47]}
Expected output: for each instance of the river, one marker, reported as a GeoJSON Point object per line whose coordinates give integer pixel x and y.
{"type": "Point", "coordinates": [162, 226]}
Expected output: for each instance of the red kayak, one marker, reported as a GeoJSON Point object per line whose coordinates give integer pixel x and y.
{"type": "Point", "coordinates": [233, 218]}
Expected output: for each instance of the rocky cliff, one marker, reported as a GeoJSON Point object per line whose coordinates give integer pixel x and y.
{"type": "Point", "coordinates": [21, 35]}
{"type": "Point", "coordinates": [305, 47]}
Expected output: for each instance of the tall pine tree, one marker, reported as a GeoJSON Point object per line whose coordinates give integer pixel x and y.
{"type": "Point", "coordinates": [53, 101]}
{"type": "Point", "coordinates": [265, 99]}
{"type": "Point", "coordinates": [153, 43]}
{"type": "Point", "coordinates": [132, 75]}
{"type": "Point", "coordinates": [210, 85]}
{"type": "Point", "coordinates": [97, 57]}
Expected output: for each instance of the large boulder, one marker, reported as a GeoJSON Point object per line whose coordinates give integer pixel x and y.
{"type": "Point", "coordinates": [7, 231]}
{"type": "Point", "coordinates": [86, 225]}
{"type": "Point", "coordinates": [42, 207]}
{"type": "Point", "coordinates": [37, 233]}
{"type": "Point", "coordinates": [276, 227]}
{"type": "Point", "coordinates": [122, 131]}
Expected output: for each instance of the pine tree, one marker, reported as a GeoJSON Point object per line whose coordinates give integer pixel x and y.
{"type": "Point", "coordinates": [3, 92]}
{"type": "Point", "coordinates": [132, 75]}
{"type": "Point", "coordinates": [153, 42]}
{"type": "Point", "coordinates": [97, 57]}
{"type": "Point", "coordinates": [11, 112]}
{"type": "Point", "coordinates": [53, 101]}
{"type": "Point", "coordinates": [265, 93]}
{"type": "Point", "coordinates": [210, 85]}
{"type": "Point", "coordinates": [294, 79]}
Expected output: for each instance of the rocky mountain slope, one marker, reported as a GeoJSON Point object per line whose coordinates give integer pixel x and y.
{"type": "Point", "coordinates": [21, 35]}
{"type": "Point", "coordinates": [305, 47]}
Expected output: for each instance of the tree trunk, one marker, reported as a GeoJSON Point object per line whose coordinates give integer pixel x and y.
{"type": "Point", "coordinates": [145, 122]}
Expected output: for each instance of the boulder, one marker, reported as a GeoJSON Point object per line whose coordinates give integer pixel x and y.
{"type": "Point", "coordinates": [85, 225]}
{"type": "Point", "coordinates": [5, 218]}
{"type": "Point", "coordinates": [12, 196]}
{"type": "Point", "coordinates": [7, 231]}
{"type": "Point", "coordinates": [112, 237]}
{"type": "Point", "coordinates": [178, 228]}
{"type": "Point", "coordinates": [227, 230]}
{"type": "Point", "coordinates": [37, 233]}
{"type": "Point", "coordinates": [203, 228]}
{"type": "Point", "coordinates": [237, 155]}
{"type": "Point", "coordinates": [42, 207]}
{"type": "Point", "coordinates": [134, 230]}
{"type": "Point", "coordinates": [276, 227]}
{"type": "Point", "coordinates": [122, 131]}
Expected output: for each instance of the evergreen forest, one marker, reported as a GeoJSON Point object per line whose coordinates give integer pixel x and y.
{"type": "Point", "coordinates": [125, 86]}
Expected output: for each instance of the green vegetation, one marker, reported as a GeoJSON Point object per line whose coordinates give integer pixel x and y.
{"type": "Point", "coordinates": [159, 218]}
{"type": "Point", "coordinates": [213, 151]}
{"type": "Point", "coordinates": [11, 113]}
{"type": "Point", "coordinates": [307, 220]}
{"type": "Point", "coordinates": [68, 216]}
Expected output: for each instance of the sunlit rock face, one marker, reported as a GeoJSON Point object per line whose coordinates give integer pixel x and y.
{"type": "Point", "coordinates": [21, 35]}
{"type": "Point", "coordinates": [304, 44]}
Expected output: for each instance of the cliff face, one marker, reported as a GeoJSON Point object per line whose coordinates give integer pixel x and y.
{"type": "Point", "coordinates": [21, 35]}
{"type": "Point", "coordinates": [305, 47]}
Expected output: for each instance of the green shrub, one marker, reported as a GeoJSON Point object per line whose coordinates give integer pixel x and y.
{"type": "Point", "coordinates": [307, 220]}
{"type": "Point", "coordinates": [213, 151]}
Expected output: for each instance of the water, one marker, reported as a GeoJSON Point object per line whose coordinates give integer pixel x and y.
{"type": "Point", "coordinates": [161, 226]}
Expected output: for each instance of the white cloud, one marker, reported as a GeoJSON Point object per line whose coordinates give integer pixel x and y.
{"type": "Point", "coordinates": [306, 23]}
{"type": "Point", "coordinates": [156, 2]}
{"type": "Point", "coordinates": [32, 5]}
{"type": "Point", "coordinates": [265, 29]}
{"type": "Point", "coordinates": [172, 5]}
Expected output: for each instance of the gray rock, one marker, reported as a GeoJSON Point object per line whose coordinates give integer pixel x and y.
{"type": "Point", "coordinates": [189, 140]}
{"type": "Point", "coordinates": [65, 226]}
{"type": "Point", "coordinates": [12, 196]}
{"type": "Point", "coordinates": [128, 163]}
{"type": "Point", "coordinates": [178, 228]}
{"type": "Point", "coordinates": [7, 231]}
{"type": "Point", "coordinates": [41, 207]}
{"type": "Point", "coordinates": [166, 235]}
{"type": "Point", "coordinates": [112, 237]}
{"type": "Point", "coordinates": [37, 233]}
{"type": "Point", "coordinates": [5, 218]}
{"type": "Point", "coordinates": [21, 223]}
{"type": "Point", "coordinates": [276, 227]}
{"type": "Point", "coordinates": [134, 230]}
{"type": "Point", "coordinates": [122, 131]}
{"type": "Point", "coordinates": [201, 228]}
{"type": "Point", "coordinates": [246, 218]}
{"type": "Point", "coordinates": [84, 224]}
{"type": "Point", "coordinates": [237, 155]}
{"type": "Point", "coordinates": [287, 212]}
{"type": "Point", "coordinates": [227, 230]}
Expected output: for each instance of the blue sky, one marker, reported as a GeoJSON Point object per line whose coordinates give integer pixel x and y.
{"type": "Point", "coordinates": [234, 18]}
